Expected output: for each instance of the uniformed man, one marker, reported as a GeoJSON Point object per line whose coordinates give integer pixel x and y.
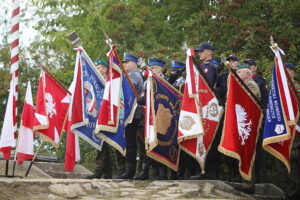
{"type": "Point", "coordinates": [130, 64]}
{"type": "Point", "coordinates": [103, 160]}
{"type": "Point", "coordinates": [221, 85]}
{"type": "Point", "coordinates": [159, 170]}
{"type": "Point", "coordinates": [176, 78]}
{"type": "Point", "coordinates": [210, 68]}
{"type": "Point", "coordinates": [208, 64]}
{"type": "Point", "coordinates": [261, 82]}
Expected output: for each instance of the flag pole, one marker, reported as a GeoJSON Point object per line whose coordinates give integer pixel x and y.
{"type": "Point", "coordinates": [291, 84]}
{"type": "Point", "coordinates": [109, 42]}
{"type": "Point", "coordinates": [15, 157]}
{"type": "Point", "coordinates": [39, 148]}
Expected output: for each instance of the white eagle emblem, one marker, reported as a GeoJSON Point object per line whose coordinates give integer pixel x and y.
{"type": "Point", "coordinates": [50, 105]}
{"type": "Point", "coordinates": [244, 128]}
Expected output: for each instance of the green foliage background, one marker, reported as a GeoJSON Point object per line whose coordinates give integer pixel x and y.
{"type": "Point", "coordinates": [152, 28]}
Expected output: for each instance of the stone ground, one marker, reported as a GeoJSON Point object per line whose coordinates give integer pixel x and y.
{"type": "Point", "coordinates": [24, 188]}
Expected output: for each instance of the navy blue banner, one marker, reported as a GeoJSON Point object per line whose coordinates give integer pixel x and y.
{"type": "Point", "coordinates": [275, 125]}
{"type": "Point", "coordinates": [167, 105]}
{"type": "Point", "coordinates": [92, 92]}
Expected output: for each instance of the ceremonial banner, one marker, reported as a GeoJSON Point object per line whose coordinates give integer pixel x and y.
{"type": "Point", "coordinates": [126, 105]}
{"type": "Point", "coordinates": [52, 104]}
{"type": "Point", "coordinates": [282, 115]}
{"type": "Point", "coordinates": [199, 116]}
{"type": "Point", "coordinates": [72, 152]}
{"type": "Point", "coordinates": [109, 116]}
{"type": "Point", "coordinates": [241, 127]}
{"type": "Point", "coordinates": [25, 140]}
{"type": "Point", "coordinates": [87, 98]}
{"type": "Point", "coordinates": [165, 103]}
{"type": "Point", "coordinates": [9, 129]}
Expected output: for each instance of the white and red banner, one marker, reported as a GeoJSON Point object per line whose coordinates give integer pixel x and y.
{"type": "Point", "coordinates": [108, 119]}
{"type": "Point", "coordinates": [52, 104]}
{"type": "Point", "coordinates": [25, 147]}
{"type": "Point", "coordinates": [72, 153]}
{"type": "Point", "coordinates": [199, 116]}
{"type": "Point", "coordinates": [149, 130]}
{"type": "Point", "coordinates": [241, 127]}
{"type": "Point", "coordinates": [9, 129]}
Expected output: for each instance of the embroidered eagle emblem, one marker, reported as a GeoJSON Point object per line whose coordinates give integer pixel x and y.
{"type": "Point", "coordinates": [50, 105]}
{"type": "Point", "coordinates": [244, 127]}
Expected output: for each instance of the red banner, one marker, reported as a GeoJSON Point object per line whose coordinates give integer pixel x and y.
{"type": "Point", "coordinates": [241, 127]}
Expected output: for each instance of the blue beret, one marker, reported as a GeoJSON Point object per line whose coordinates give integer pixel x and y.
{"type": "Point", "coordinates": [101, 62]}
{"type": "Point", "coordinates": [290, 66]}
{"type": "Point", "coordinates": [130, 57]}
{"type": "Point", "coordinates": [156, 61]}
{"type": "Point", "coordinates": [232, 57]}
{"type": "Point", "coordinates": [177, 65]}
{"type": "Point", "coordinates": [204, 46]}
{"type": "Point", "coordinates": [250, 61]}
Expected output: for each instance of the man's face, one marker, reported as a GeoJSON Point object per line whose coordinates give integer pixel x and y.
{"type": "Point", "coordinates": [233, 63]}
{"type": "Point", "coordinates": [253, 68]}
{"type": "Point", "coordinates": [157, 69]}
{"type": "Point", "coordinates": [244, 74]}
{"type": "Point", "coordinates": [129, 66]}
{"type": "Point", "coordinates": [103, 70]}
{"type": "Point", "coordinates": [291, 73]}
{"type": "Point", "coordinates": [205, 55]}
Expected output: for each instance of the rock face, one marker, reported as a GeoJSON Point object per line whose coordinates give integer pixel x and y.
{"type": "Point", "coordinates": [115, 189]}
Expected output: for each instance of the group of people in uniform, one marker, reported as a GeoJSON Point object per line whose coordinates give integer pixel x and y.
{"type": "Point", "coordinates": [188, 167]}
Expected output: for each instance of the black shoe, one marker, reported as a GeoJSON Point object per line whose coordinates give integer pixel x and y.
{"type": "Point", "coordinates": [173, 175]}
{"type": "Point", "coordinates": [93, 176]}
{"type": "Point", "coordinates": [142, 176]}
{"type": "Point", "coordinates": [162, 171]}
{"type": "Point", "coordinates": [127, 175]}
{"type": "Point", "coordinates": [198, 176]}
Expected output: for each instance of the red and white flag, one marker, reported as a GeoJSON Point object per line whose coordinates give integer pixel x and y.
{"type": "Point", "coordinates": [199, 116]}
{"type": "Point", "coordinates": [52, 104]}
{"type": "Point", "coordinates": [9, 129]}
{"type": "Point", "coordinates": [149, 130]}
{"type": "Point", "coordinates": [108, 118]}
{"type": "Point", "coordinates": [72, 154]}
{"type": "Point", "coordinates": [25, 141]}
{"type": "Point", "coordinates": [241, 127]}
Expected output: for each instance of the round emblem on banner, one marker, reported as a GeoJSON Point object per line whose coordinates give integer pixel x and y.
{"type": "Point", "coordinates": [187, 122]}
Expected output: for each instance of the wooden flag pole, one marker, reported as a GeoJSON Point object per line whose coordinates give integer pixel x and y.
{"type": "Point", "coordinates": [15, 157]}
{"type": "Point", "coordinates": [39, 148]}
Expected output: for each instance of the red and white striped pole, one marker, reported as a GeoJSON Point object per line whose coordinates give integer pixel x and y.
{"type": "Point", "coordinates": [7, 140]}
{"type": "Point", "coordinates": [14, 57]}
